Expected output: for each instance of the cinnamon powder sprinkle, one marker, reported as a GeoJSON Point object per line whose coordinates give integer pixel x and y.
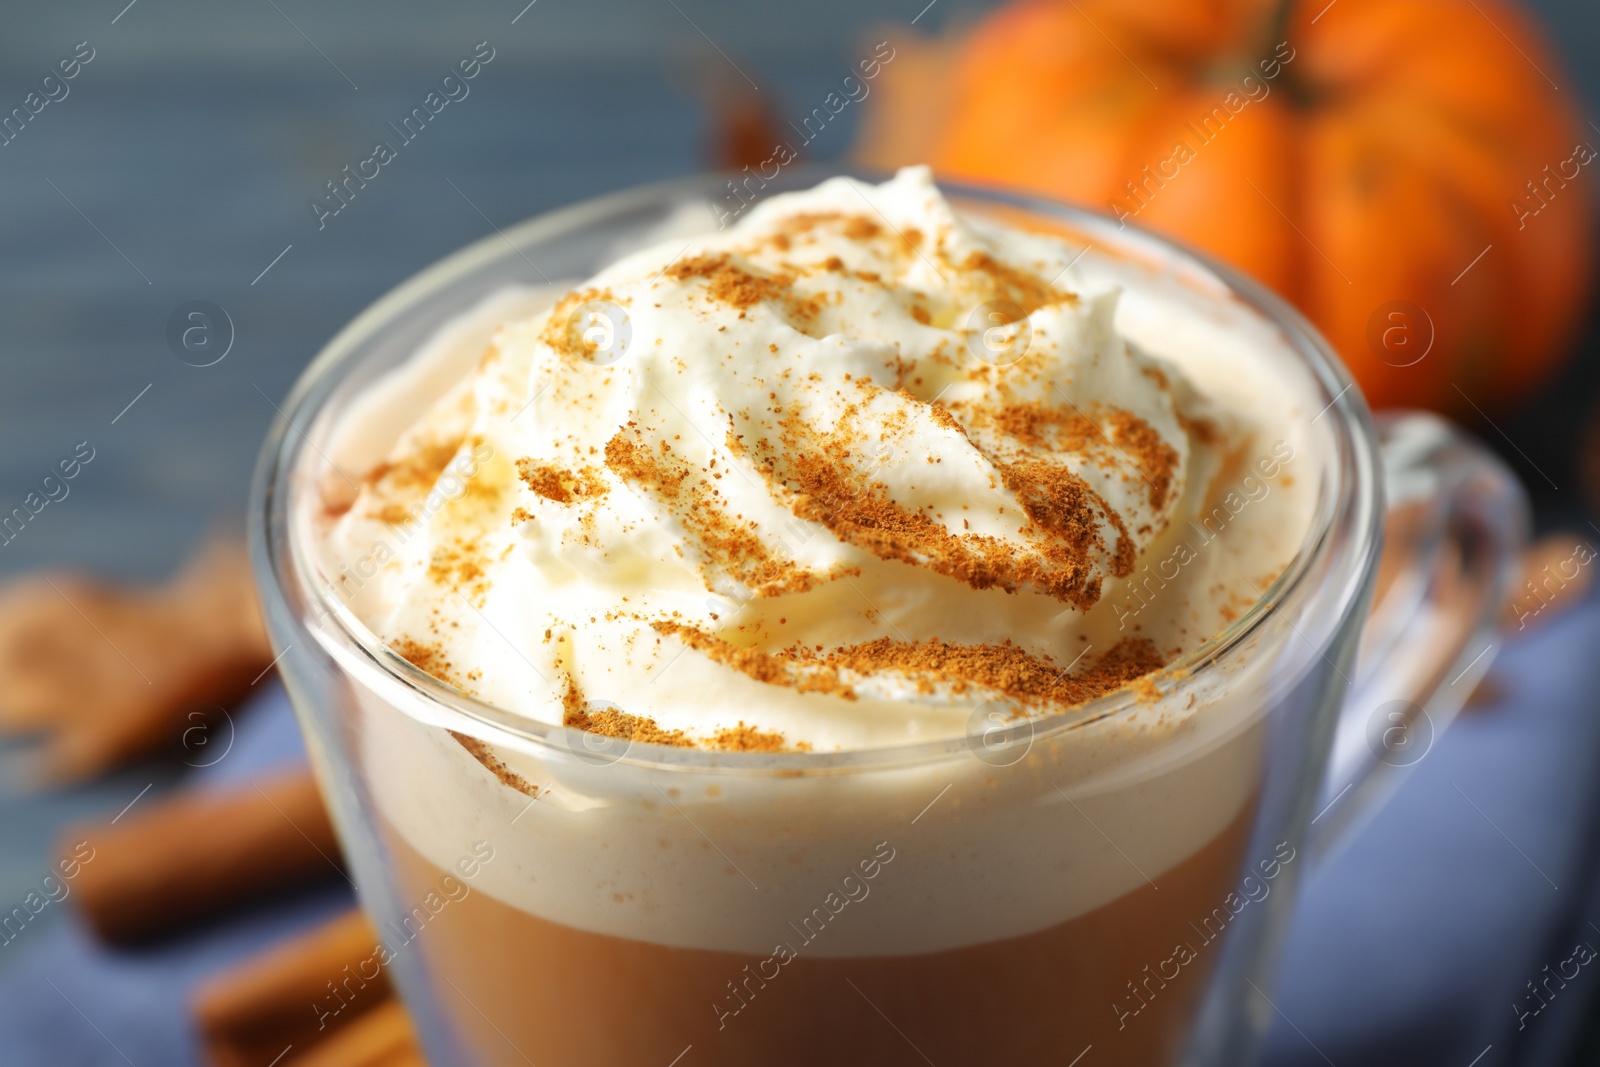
{"type": "Point", "coordinates": [485, 755]}
{"type": "Point", "coordinates": [394, 514]}
{"type": "Point", "coordinates": [558, 484]}
{"type": "Point", "coordinates": [819, 472]}
{"type": "Point", "coordinates": [1157, 461]}
{"type": "Point", "coordinates": [563, 330]}
{"type": "Point", "coordinates": [429, 658]}
{"type": "Point", "coordinates": [728, 542]}
{"type": "Point", "coordinates": [1066, 508]}
{"type": "Point", "coordinates": [744, 738]}
{"type": "Point", "coordinates": [762, 666]}
{"type": "Point", "coordinates": [875, 522]}
{"type": "Point", "coordinates": [1023, 287]}
{"type": "Point", "coordinates": [1129, 439]}
{"type": "Point", "coordinates": [942, 416]}
{"type": "Point", "coordinates": [732, 284]}
{"type": "Point", "coordinates": [854, 227]}
{"type": "Point", "coordinates": [1036, 425]}
{"type": "Point", "coordinates": [419, 468]}
{"type": "Point", "coordinates": [1003, 667]}
{"type": "Point", "coordinates": [860, 228]}
{"type": "Point", "coordinates": [614, 722]}
{"type": "Point", "coordinates": [1202, 429]}
{"type": "Point", "coordinates": [610, 722]}
{"type": "Point", "coordinates": [458, 563]}
{"type": "Point", "coordinates": [729, 282]}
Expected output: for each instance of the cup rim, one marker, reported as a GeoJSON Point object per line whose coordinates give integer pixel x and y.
{"type": "Point", "coordinates": [1349, 502]}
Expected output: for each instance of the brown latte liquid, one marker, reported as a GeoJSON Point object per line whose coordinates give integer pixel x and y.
{"type": "Point", "coordinates": [521, 990]}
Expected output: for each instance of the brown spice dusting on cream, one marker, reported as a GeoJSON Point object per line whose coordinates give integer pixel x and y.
{"type": "Point", "coordinates": [734, 442]}
{"type": "Point", "coordinates": [563, 330]}
{"type": "Point", "coordinates": [1157, 461]}
{"type": "Point", "coordinates": [337, 499]}
{"type": "Point", "coordinates": [762, 666]}
{"type": "Point", "coordinates": [726, 542]}
{"type": "Point", "coordinates": [559, 484]}
{"type": "Point", "coordinates": [855, 227]}
{"type": "Point", "coordinates": [860, 228]}
{"type": "Point", "coordinates": [1036, 425]}
{"type": "Point", "coordinates": [1023, 287]}
{"type": "Point", "coordinates": [614, 722]}
{"type": "Point", "coordinates": [825, 486]}
{"type": "Point", "coordinates": [1068, 510]}
{"type": "Point", "coordinates": [425, 657]}
{"type": "Point", "coordinates": [942, 416]}
{"type": "Point", "coordinates": [1202, 430]}
{"type": "Point", "coordinates": [744, 738]}
{"type": "Point", "coordinates": [731, 283]}
{"type": "Point", "coordinates": [1125, 438]}
{"type": "Point", "coordinates": [485, 755]}
{"type": "Point", "coordinates": [419, 468]}
{"type": "Point", "coordinates": [394, 514]}
{"type": "Point", "coordinates": [459, 564]}
{"type": "Point", "coordinates": [1004, 667]}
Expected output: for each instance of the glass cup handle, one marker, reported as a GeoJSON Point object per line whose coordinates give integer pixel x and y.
{"type": "Point", "coordinates": [1457, 521]}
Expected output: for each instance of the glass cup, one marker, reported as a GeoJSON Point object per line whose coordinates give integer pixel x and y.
{"type": "Point", "coordinates": [1111, 881]}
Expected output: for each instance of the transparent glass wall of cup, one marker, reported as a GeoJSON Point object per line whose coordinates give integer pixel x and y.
{"type": "Point", "coordinates": [1016, 896]}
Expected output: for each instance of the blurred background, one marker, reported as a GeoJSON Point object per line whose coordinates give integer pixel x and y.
{"type": "Point", "coordinates": [179, 164]}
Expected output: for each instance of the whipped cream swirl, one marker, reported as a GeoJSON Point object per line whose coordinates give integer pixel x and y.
{"type": "Point", "coordinates": [836, 477]}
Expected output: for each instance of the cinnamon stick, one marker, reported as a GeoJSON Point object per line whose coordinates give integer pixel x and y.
{"type": "Point", "coordinates": [381, 1038]}
{"type": "Point", "coordinates": [1557, 571]}
{"type": "Point", "coordinates": [293, 996]}
{"type": "Point", "coordinates": [197, 855]}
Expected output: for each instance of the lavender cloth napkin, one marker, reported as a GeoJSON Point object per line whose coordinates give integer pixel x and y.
{"type": "Point", "coordinates": [1426, 939]}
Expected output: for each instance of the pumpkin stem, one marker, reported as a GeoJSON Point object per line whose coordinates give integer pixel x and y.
{"type": "Point", "coordinates": [1278, 25]}
{"type": "Point", "coordinates": [1276, 30]}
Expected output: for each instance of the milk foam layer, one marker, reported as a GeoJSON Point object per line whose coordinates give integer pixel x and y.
{"type": "Point", "coordinates": [988, 845]}
{"type": "Point", "coordinates": [841, 477]}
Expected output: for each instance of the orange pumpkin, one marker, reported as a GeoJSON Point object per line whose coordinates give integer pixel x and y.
{"type": "Point", "coordinates": [1405, 171]}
